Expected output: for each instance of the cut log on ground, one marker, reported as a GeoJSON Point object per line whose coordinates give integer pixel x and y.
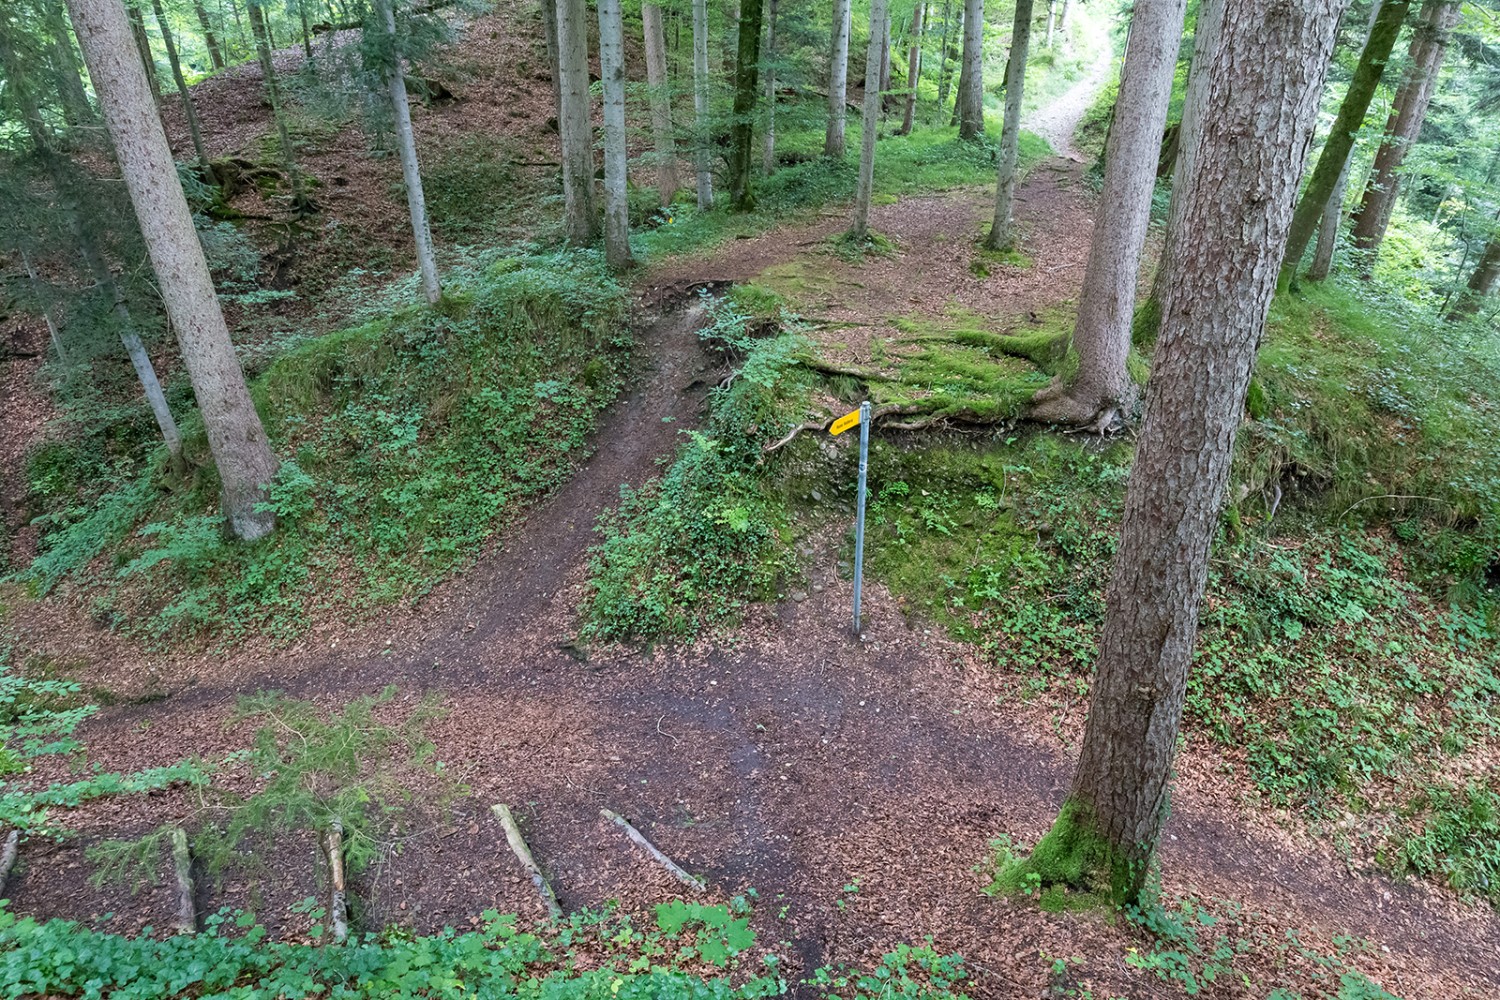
{"type": "Point", "coordinates": [8, 856]}
{"type": "Point", "coordinates": [182, 865]}
{"type": "Point", "coordinates": [523, 854]}
{"type": "Point", "coordinates": [640, 841]}
{"type": "Point", "coordinates": [338, 909]}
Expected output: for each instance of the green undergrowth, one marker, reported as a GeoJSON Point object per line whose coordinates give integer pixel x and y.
{"type": "Point", "coordinates": [404, 442]}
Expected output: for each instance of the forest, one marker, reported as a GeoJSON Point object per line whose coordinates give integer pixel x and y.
{"type": "Point", "coordinates": [727, 499]}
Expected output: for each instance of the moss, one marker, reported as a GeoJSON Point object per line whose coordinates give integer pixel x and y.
{"type": "Point", "coordinates": [1072, 864]}
{"type": "Point", "coordinates": [1146, 322]}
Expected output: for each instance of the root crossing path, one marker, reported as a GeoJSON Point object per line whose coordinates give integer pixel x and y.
{"type": "Point", "coordinates": [855, 785]}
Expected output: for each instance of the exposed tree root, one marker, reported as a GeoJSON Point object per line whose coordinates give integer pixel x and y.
{"type": "Point", "coordinates": [1057, 403]}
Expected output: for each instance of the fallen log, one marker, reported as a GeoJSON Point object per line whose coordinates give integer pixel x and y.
{"type": "Point", "coordinates": [523, 854]}
{"type": "Point", "coordinates": [639, 839]}
{"type": "Point", "coordinates": [8, 856]}
{"type": "Point", "coordinates": [182, 864]}
{"type": "Point", "coordinates": [338, 908]}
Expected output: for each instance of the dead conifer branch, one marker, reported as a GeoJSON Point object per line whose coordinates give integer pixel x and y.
{"type": "Point", "coordinates": [639, 839]}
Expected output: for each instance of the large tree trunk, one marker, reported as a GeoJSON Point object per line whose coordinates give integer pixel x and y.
{"type": "Point", "coordinates": [661, 103]}
{"type": "Point", "coordinates": [1341, 136]}
{"type": "Point", "coordinates": [1429, 46]}
{"type": "Point", "coordinates": [1258, 77]}
{"type": "Point", "coordinates": [746, 86]}
{"type": "Point", "coordinates": [301, 203]}
{"type": "Point", "coordinates": [860, 230]}
{"type": "Point", "coordinates": [838, 80]}
{"type": "Point", "coordinates": [411, 173]}
{"type": "Point", "coordinates": [549, 35]}
{"type": "Point", "coordinates": [612, 72]}
{"type": "Point", "coordinates": [1482, 283]}
{"type": "Point", "coordinates": [704, 165]}
{"type": "Point", "coordinates": [970, 108]}
{"type": "Point", "coordinates": [240, 449]}
{"type": "Point", "coordinates": [580, 220]}
{"type": "Point", "coordinates": [1002, 233]}
{"type": "Point", "coordinates": [1101, 392]}
{"type": "Point", "coordinates": [210, 39]}
{"type": "Point", "coordinates": [913, 67]}
{"type": "Point", "coordinates": [768, 140]}
{"type": "Point", "coordinates": [188, 110]}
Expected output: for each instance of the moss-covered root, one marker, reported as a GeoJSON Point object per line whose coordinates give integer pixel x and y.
{"type": "Point", "coordinates": [1074, 859]}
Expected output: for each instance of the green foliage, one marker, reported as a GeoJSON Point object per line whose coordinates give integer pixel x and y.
{"type": "Point", "coordinates": [910, 972]}
{"type": "Point", "coordinates": [474, 192]}
{"type": "Point", "coordinates": [693, 544]}
{"type": "Point", "coordinates": [1453, 836]}
{"type": "Point", "coordinates": [1070, 867]}
{"type": "Point", "coordinates": [406, 441]}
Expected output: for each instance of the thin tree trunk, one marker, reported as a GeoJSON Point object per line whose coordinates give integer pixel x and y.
{"type": "Point", "coordinates": [1429, 47]}
{"type": "Point", "coordinates": [307, 48]}
{"type": "Point", "coordinates": [913, 67]}
{"type": "Point", "coordinates": [970, 108]}
{"type": "Point", "coordinates": [944, 81]}
{"type": "Point", "coordinates": [859, 232]}
{"type": "Point", "coordinates": [577, 126]}
{"type": "Point", "coordinates": [236, 438]}
{"type": "Point", "coordinates": [70, 87]}
{"type": "Point", "coordinates": [301, 203]}
{"type": "Point", "coordinates": [36, 289]}
{"type": "Point", "coordinates": [746, 89]}
{"type": "Point", "coordinates": [1062, 17]}
{"type": "Point", "coordinates": [838, 80]}
{"type": "Point", "coordinates": [1252, 105]}
{"type": "Point", "coordinates": [1002, 232]}
{"type": "Point", "coordinates": [143, 49]}
{"type": "Point", "coordinates": [411, 174]}
{"type": "Point", "coordinates": [768, 141]}
{"type": "Point", "coordinates": [1481, 283]}
{"type": "Point", "coordinates": [188, 110]}
{"type": "Point", "coordinates": [667, 182]}
{"type": "Point", "coordinates": [1051, 22]}
{"type": "Point", "coordinates": [1102, 392]}
{"type": "Point", "coordinates": [1341, 136]}
{"type": "Point", "coordinates": [1328, 230]}
{"type": "Point", "coordinates": [704, 166]}
{"type": "Point", "coordinates": [549, 29]}
{"type": "Point", "coordinates": [612, 72]}
{"type": "Point", "coordinates": [885, 62]}
{"type": "Point", "coordinates": [731, 41]}
{"type": "Point", "coordinates": [210, 39]}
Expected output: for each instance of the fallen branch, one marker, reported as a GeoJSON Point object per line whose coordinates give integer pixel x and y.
{"type": "Point", "coordinates": [182, 864]}
{"type": "Point", "coordinates": [338, 910]}
{"type": "Point", "coordinates": [639, 839]}
{"type": "Point", "coordinates": [8, 856]}
{"type": "Point", "coordinates": [523, 854]}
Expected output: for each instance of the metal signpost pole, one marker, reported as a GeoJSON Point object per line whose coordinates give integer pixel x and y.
{"type": "Point", "coordinates": [859, 522]}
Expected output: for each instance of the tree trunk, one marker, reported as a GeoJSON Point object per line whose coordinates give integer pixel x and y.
{"type": "Point", "coordinates": [742, 131]}
{"type": "Point", "coordinates": [240, 449]}
{"type": "Point", "coordinates": [885, 62]}
{"type": "Point", "coordinates": [1002, 233]}
{"type": "Point", "coordinates": [70, 87]}
{"type": "Point", "coordinates": [188, 110]}
{"type": "Point", "coordinates": [700, 106]}
{"type": "Point", "coordinates": [1102, 392]}
{"type": "Point", "coordinates": [1482, 283]}
{"type": "Point", "coordinates": [859, 232]}
{"type": "Point", "coordinates": [549, 34]}
{"type": "Point", "coordinates": [970, 109]}
{"type": "Point", "coordinates": [944, 81]}
{"type": "Point", "coordinates": [838, 80]}
{"type": "Point", "coordinates": [580, 220]}
{"type": "Point", "coordinates": [768, 141]}
{"type": "Point", "coordinates": [1328, 230]}
{"type": "Point", "coordinates": [1051, 22]}
{"type": "Point", "coordinates": [1341, 136]}
{"type": "Point", "coordinates": [143, 49]}
{"type": "Point", "coordinates": [612, 72]}
{"type": "Point", "coordinates": [301, 203]}
{"type": "Point", "coordinates": [1258, 78]}
{"type": "Point", "coordinates": [210, 39]}
{"type": "Point", "coordinates": [46, 303]}
{"type": "Point", "coordinates": [1062, 17]}
{"type": "Point", "coordinates": [411, 174]}
{"type": "Point", "coordinates": [661, 103]}
{"type": "Point", "coordinates": [913, 67]}
{"type": "Point", "coordinates": [1429, 46]}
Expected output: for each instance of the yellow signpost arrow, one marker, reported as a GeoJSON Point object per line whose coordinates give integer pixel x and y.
{"type": "Point", "coordinates": [845, 422]}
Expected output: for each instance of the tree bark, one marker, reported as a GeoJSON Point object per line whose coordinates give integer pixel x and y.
{"type": "Point", "coordinates": [700, 106]}
{"type": "Point", "coordinates": [210, 39]}
{"type": "Point", "coordinates": [1429, 47]}
{"type": "Point", "coordinates": [913, 67]}
{"type": "Point", "coordinates": [612, 72]}
{"type": "Point", "coordinates": [667, 182]}
{"type": "Point", "coordinates": [1259, 75]}
{"type": "Point", "coordinates": [1102, 392]}
{"type": "Point", "coordinates": [580, 218]}
{"type": "Point", "coordinates": [1002, 233]}
{"type": "Point", "coordinates": [838, 80]}
{"type": "Point", "coordinates": [188, 110]}
{"type": "Point", "coordinates": [1481, 283]}
{"type": "Point", "coordinates": [1341, 136]}
{"type": "Point", "coordinates": [970, 108]}
{"type": "Point", "coordinates": [859, 232]}
{"type": "Point", "coordinates": [411, 173]}
{"type": "Point", "coordinates": [236, 438]}
{"type": "Point", "coordinates": [301, 203]}
{"type": "Point", "coordinates": [742, 130]}
{"type": "Point", "coordinates": [768, 141]}
{"type": "Point", "coordinates": [549, 34]}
